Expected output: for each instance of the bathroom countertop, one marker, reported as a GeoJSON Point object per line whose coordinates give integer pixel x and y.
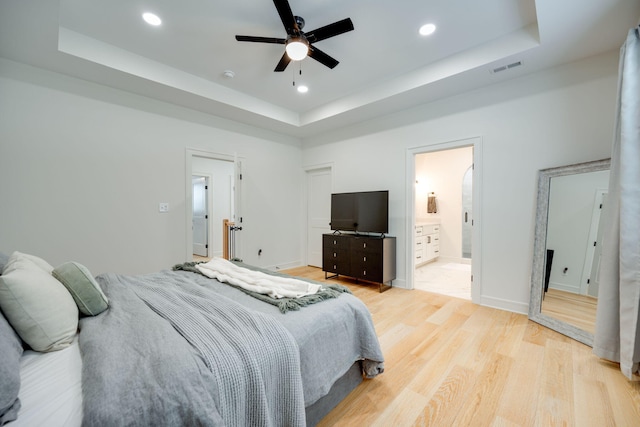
{"type": "Point", "coordinates": [427, 222]}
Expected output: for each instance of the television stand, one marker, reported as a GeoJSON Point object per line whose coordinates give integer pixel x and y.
{"type": "Point", "coordinates": [364, 258]}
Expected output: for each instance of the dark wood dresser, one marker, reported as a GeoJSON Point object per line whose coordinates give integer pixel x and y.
{"type": "Point", "coordinates": [363, 257]}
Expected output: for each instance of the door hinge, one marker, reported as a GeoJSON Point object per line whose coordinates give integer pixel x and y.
{"type": "Point", "coordinates": [206, 187]}
{"type": "Point", "coordinates": [206, 246]}
{"type": "Point", "coordinates": [472, 277]}
{"type": "Point", "coordinates": [240, 177]}
{"type": "Point", "coordinates": [206, 217]}
{"type": "Point", "coordinates": [588, 281]}
{"type": "Point", "coordinates": [240, 219]}
{"type": "Point", "coordinates": [595, 243]}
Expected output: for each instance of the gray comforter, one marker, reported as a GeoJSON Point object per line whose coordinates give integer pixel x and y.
{"type": "Point", "coordinates": [176, 348]}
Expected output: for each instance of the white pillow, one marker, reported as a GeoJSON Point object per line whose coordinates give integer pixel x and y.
{"type": "Point", "coordinates": [20, 258]}
{"type": "Point", "coordinates": [39, 307]}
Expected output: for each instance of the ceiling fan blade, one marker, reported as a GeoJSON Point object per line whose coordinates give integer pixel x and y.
{"type": "Point", "coordinates": [284, 61]}
{"type": "Point", "coordinates": [286, 15]}
{"type": "Point", "coordinates": [322, 57]}
{"type": "Point", "coordinates": [260, 39]}
{"type": "Point", "coordinates": [330, 30]}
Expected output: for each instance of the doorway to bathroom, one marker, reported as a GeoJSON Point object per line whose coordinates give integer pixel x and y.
{"type": "Point", "coordinates": [443, 221]}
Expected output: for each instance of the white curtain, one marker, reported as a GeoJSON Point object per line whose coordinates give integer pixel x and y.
{"type": "Point", "coordinates": [617, 334]}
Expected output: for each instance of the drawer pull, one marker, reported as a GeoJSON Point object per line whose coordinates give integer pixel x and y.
{"type": "Point", "coordinates": [364, 273]}
{"type": "Point", "coordinates": [334, 254]}
{"type": "Point", "coordinates": [364, 245]}
{"type": "Point", "coordinates": [364, 258]}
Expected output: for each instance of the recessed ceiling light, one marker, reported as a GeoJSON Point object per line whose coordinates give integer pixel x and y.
{"type": "Point", "coordinates": [303, 89]}
{"type": "Point", "coordinates": [427, 29]}
{"type": "Point", "coordinates": [151, 18]}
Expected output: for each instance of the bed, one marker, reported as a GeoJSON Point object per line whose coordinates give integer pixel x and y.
{"type": "Point", "coordinates": [179, 348]}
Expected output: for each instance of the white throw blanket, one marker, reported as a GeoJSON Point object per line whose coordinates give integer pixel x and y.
{"type": "Point", "coordinates": [256, 281]}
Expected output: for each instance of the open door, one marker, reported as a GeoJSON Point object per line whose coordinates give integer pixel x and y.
{"type": "Point", "coordinates": [200, 217]}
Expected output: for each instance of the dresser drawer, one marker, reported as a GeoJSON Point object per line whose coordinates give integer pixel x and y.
{"type": "Point", "coordinates": [336, 241]}
{"type": "Point", "coordinates": [367, 271]}
{"type": "Point", "coordinates": [337, 267]}
{"type": "Point", "coordinates": [367, 245]}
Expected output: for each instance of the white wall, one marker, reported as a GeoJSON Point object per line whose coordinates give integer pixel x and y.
{"type": "Point", "coordinates": [83, 168]}
{"type": "Point", "coordinates": [557, 117]}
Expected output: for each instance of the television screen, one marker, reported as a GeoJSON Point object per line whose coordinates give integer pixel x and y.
{"type": "Point", "coordinates": [365, 212]}
{"type": "Point", "coordinates": [343, 212]}
{"type": "Point", "coordinates": [373, 209]}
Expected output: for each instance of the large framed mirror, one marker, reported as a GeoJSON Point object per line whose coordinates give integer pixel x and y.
{"type": "Point", "coordinates": [566, 253]}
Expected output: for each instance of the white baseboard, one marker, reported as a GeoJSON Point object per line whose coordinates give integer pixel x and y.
{"type": "Point", "coordinates": [399, 283]}
{"type": "Point", "coordinates": [284, 266]}
{"type": "Point", "coordinates": [562, 287]}
{"type": "Point", "coordinates": [503, 304]}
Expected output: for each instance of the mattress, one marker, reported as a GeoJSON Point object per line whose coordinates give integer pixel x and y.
{"type": "Point", "coordinates": [50, 389]}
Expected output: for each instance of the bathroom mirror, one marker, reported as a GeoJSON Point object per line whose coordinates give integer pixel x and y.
{"type": "Point", "coordinates": [566, 254]}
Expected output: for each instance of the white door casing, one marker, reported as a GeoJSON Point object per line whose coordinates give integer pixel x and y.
{"type": "Point", "coordinates": [224, 173]}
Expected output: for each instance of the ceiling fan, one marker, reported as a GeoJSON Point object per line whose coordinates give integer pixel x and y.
{"type": "Point", "coordinates": [298, 44]}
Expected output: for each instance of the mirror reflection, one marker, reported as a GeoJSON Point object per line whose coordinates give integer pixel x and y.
{"type": "Point", "coordinates": [567, 248]}
{"type": "Point", "coordinates": [573, 247]}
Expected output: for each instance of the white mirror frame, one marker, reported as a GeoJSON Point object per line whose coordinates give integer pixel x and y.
{"type": "Point", "coordinates": [540, 247]}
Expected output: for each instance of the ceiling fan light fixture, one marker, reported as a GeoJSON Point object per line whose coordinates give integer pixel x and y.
{"type": "Point", "coordinates": [297, 48]}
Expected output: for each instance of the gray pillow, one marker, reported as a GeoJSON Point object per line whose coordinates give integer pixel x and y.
{"type": "Point", "coordinates": [83, 288]}
{"type": "Point", "coordinates": [4, 258]}
{"type": "Point", "coordinates": [10, 353]}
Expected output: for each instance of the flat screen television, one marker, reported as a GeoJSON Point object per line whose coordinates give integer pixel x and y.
{"type": "Point", "coordinates": [363, 212]}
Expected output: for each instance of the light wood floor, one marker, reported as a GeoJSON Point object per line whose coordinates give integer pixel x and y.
{"type": "Point", "coordinates": [449, 362]}
{"type": "Point", "coordinates": [578, 310]}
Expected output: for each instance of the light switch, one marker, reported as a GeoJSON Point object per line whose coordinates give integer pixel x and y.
{"type": "Point", "coordinates": [164, 207]}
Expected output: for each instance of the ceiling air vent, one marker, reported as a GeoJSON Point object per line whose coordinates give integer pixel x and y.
{"type": "Point", "coordinates": [506, 67]}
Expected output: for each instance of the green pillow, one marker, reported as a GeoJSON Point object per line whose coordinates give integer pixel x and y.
{"type": "Point", "coordinates": [83, 288]}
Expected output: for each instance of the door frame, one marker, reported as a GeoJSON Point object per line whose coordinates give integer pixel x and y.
{"type": "Point", "coordinates": [410, 179]}
{"type": "Point", "coordinates": [190, 153]}
{"type": "Point", "coordinates": [594, 227]}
